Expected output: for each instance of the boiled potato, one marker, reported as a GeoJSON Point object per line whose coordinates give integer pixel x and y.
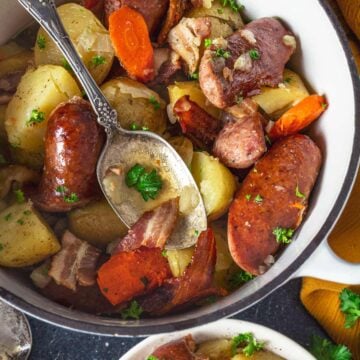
{"type": "Point", "coordinates": [25, 238]}
{"type": "Point", "coordinates": [183, 147]}
{"type": "Point", "coordinates": [89, 36]}
{"type": "Point", "coordinates": [218, 349]}
{"type": "Point", "coordinates": [191, 88]}
{"type": "Point", "coordinates": [179, 260]}
{"type": "Point", "coordinates": [275, 101]}
{"type": "Point", "coordinates": [96, 223]}
{"type": "Point", "coordinates": [224, 13]}
{"type": "Point", "coordinates": [38, 93]}
{"type": "Point", "coordinates": [216, 183]}
{"type": "Point", "coordinates": [136, 104]}
{"type": "Point", "coordinates": [258, 355]}
{"type": "Point", "coordinates": [219, 29]}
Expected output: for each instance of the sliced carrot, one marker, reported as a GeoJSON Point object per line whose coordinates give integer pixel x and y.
{"type": "Point", "coordinates": [129, 274]}
{"type": "Point", "coordinates": [130, 37]}
{"type": "Point", "coordinates": [299, 116]}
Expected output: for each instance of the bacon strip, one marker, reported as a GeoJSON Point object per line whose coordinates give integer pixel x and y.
{"type": "Point", "coordinates": [194, 285]}
{"type": "Point", "coordinates": [75, 263]}
{"type": "Point", "coordinates": [196, 124]}
{"type": "Point", "coordinates": [152, 229]}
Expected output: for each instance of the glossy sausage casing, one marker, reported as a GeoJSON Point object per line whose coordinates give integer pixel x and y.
{"type": "Point", "coordinates": [291, 164]}
{"type": "Point", "coordinates": [73, 143]}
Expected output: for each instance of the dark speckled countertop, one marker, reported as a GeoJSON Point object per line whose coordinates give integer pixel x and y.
{"type": "Point", "coordinates": [281, 311]}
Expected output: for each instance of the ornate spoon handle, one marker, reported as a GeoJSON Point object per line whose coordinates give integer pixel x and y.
{"type": "Point", "coordinates": [44, 12]}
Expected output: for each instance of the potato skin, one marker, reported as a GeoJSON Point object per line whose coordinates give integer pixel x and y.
{"type": "Point", "coordinates": [132, 101]}
{"type": "Point", "coordinates": [89, 36]}
{"type": "Point", "coordinates": [96, 223]}
{"type": "Point", "coordinates": [25, 238]}
{"type": "Point", "coordinates": [216, 183]}
{"type": "Point", "coordinates": [40, 89]}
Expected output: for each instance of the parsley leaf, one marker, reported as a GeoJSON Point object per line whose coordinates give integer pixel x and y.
{"type": "Point", "coordinates": [207, 42]}
{"type": "Point", "coordinates": [36, 117]}
{"type": "Point", "coordinates": [164, 253]}
{"type": "Point", "coordinates": [41, 42]}
{"type": "Point", "coordinates": [152, 357]}
{"type": "Point", "coordinates": [238, 278]}
{"type": "Point", "coordinates": [154, 103]}
{"type": "Point", "coordinates": [135, 127]}
{"type": "Point", "coordinates": [254, 54]}
{"type": "Point", "coordinates": [222, 53]}
{"type": "Point", "coordinates": [20, 221]}
{"type": "Point", "coordinates": [233, 5]}
{"type": "Point", "coordinates": [194, 76]}
{"type": "Point", "coordinates": [132, 312]}
{"type": "Point", "coordinates": [220, 11]}
{"type": "Point", "coordinates": [248, 343]}
{"type": "Point", "coordinates": [350, 306]}
{"type": "Point", "coordinates": [298, 193]}
{"type": "Point", "coordinates": [258, 199]}
{"type": "Point", "coordinates": [288, 80]}
{"type": "Point", "coordinates": [61, 189]}
{"type": "Point", "coordinates": [98, 60]}
{"type": "Point", "coordinates": [8, 216]}
{"type": "Point", "coordinates": [283, 235]}
{"type": "Point", "coordinates": [148, 184]}
{"type": "Point", "coordinates": [20, 197]}
{"type": "Point", "coordinates": [248, 197]}
{"type": "Point", "coordinates": [323, 349]}
{"type": "Point", "coordinates": [69, 198]}
{"type": "Point", "coordinates": [66, 65]}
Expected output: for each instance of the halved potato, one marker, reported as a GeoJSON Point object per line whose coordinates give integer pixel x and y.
{"type": "Point", "coordinates": [215, 349]}
{"type": "Point", "coordinates": [179, 260]}
{"type": "Point", "coordinates": [275, 101]}
{"type": "Point", "coordinates": [216, 183]}
{"type": "Point", "coordinates": [91, 39]}
{"type": "Point", "coordinates": [40, 91]}
{"type": "Point", "coordinates": [25, 238]}
{"type": "Point", "coordinates": [136, 104]}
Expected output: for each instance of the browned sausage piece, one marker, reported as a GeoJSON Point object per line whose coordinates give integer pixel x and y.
{"type": "Point", "coordinates": [250, 58]}
{"type": "Point", "coordinates": [241, 142]}
{"type": "Point", "coordinates": [73, 142]}
{"type": "Point", "coordinates": [268, 199]}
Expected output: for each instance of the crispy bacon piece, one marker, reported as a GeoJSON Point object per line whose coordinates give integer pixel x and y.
{"type": "Point", "coordinates": [192, 286]}
{"type": "Point", "coordinates": [75, 263]}
{"type": "Point", "coordinates": [183, 349]}
{"type": "Point", "coordinates": [133, 273]}
{"type": "Point", "coordinates": [152, 229]}
{"type": "Point", "coordinates": [199, 126]}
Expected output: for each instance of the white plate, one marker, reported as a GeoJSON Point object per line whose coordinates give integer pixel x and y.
{"type": "Point", "coordinates": [274, 341]}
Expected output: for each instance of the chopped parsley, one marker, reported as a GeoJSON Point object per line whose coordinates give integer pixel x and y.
{"type": "Point", "coordinates": [148, 184]}
{"type": "Point", "coordinates": [64, 191]}
{"type": "Point", "coordinates": [323, 349]}
{"type": "Point", "coordinates": [20, 197]}
{"type": "Point", "coordinates": [207, 42]}
{"type": "Point", "coordinates": [288, 80]}
{"type": "Point", "coordinates": [135, 127]}
{"type": "Point", "coordinates": [27, 212]}
{"type": "Point", "coordinates": [247, 342]}
{"type": "Point", "coordinates": [248, 197]}
{"type": "Point", "coordinates": [232, 4]}
{"type": "Point", "coordinates": [61, 189]}
{"type": "Point", "coordinates": [1, 247]}
{"type": "Point", "coordinates": [154, 103]}
{"type": "Point", "coordinates": [298, 193]}
{"type": "Point", "coordinates": [36, 117]}
{"type": "Point", "coordinates": [8, 216]}
{"type": "Point", "coordinates": [254, 54]}
{"type": "Point", "coordinates": [196, 232]}
{"type": "Point", "coordinates": [132, 312]}
{"type": "Point", "coordinates": [220, 11]}
{"type": "Point", "coordinates": [258, 199]}
{"type": "Point", "coordinates": [2, 160]}
{"type": "Point", "coordinates": [222, 53]}
{"type": "Point", "coordinates": [41, 42]}
{"type": "Point", "coordinates": [238, 278]}
{"type": "Point", "coordinates": [194, 75]}
{"type": "Point", "coordinates": [98, 60]}
{"type": "Point", "coordinates": [350, 306]}
{"type": "Point", "coordinates": [164, 253]}
{"type": "Point", "coordinates": [66, 65]}
{"type": "Point", "coordinates": [324, 105]}
{"type": "Point", "coordinates": [152, 357]}
{"type": "Point", "coordinates": [20, 221]}
{"type": "Point", "coordinates": [283, 235]}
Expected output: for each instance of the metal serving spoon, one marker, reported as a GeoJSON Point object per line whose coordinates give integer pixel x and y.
{"type": "Point", "coordinates": [124, 148]}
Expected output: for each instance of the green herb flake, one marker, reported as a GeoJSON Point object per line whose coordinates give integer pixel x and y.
{"type": "Point", "coordinates": [66, 65]}
{"type": "Point", "coordinates": [152, 357]}
{"type": "Point", "coordinates": [20, 221]}
{"type": "Point", "coordinates": [27, 212]}
{"type": "Point", "coordinates": [324, 105]}
{"type": "Point", "coordinates": [196, 232]}
{"type": "Point", "coordinates": [3, 161]}
{"type": "Point", "coordinates": [148, 184]}
{"type": "Point", "coordinates": [41, 42]}
{"type": "Point", "coordinates": [19, 195]}
{"type": "Point", "coordinates": [194, 76]}
{"type": "Point", "coordinates": [248, 197]}
{"type": "Point", "coordinates": [164, 253]}
{"type": "Point", "coordinates": [247, 342]}
{"type": "Point", "coordinates": [98, 60]}
{"type": "Point", "coordinates": [210, 299]}
{"type": "Point", "coordinates": [135, 127]}
{"type": "Point", "coordinates": [132, 312]}
{"type": "Point", "coordinates": [61, 189]}
{"type": "Point", "coordinates": [350, 306]}
{"type": "Point", "coordinates": [154, 103]}
{"type": "Point", "coordinates": [72, 198]}
{"type": "Point", "coordinates": [222, 53]}
{"type": "Point", "coordinates": [258, 199]}
{"type": "Point", "coordinates": [254, 54]}
{"type": "Point", "coordinates": [283, 235]}
{"type": "Point", "coordinates": [233, 5]}
{"type": "Point", "coordinates": [288, 80]}
{"type": "Point", "coordinates": [298, 193]}
{"type": "Point", "coordinates": [323, 349]}
{"type": "Point", "coordinates": [220, 11]}
{"type": "Point", "coordinates": [236, 279]}
{"type": "Point", "coordinates": [207, 43]}
{"type": "Point", "coordinates": [36, 117]}
{"type": "Point", "coordinates": [8, 216]}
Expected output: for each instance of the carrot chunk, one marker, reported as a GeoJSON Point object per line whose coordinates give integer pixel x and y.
{"type": "Point", "coordinates": [129, 274]}
{"type": "Point", "coordinates": [299, 117]}
{"type": "Point", "coordinates": [130, 37]}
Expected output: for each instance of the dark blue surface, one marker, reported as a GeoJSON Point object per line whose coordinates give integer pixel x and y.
{"type": "Point", "coordinates": [281, 311]}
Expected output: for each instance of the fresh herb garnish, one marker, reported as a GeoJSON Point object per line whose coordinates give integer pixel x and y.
{"type": "Point", "coordinates": [148, 184]}
{"type": "Point", "coordinates": [154, 103]}
{"type": "Point", "coordinates": [2, 160]}
{"type": "Point", "coordinates": [194, 75]}
{"type": "Point", "coordinates": [132, 312]}
{"type": "Point", "coordinates": [298, 193]}
{"type": "Point", "coordinates": [196, 232]}
{"type": "Point", "coordinates": [350, 306]}
{"type": "Point", "coordinates": [7, 217]}
{"type": "Point", "coordinates": [248, 343]}
{"type": "Point", "coordinates": [254, 54]}
{"type": "Point", "coordinates": [258, 199]}
{"type": "Point", "coordinates": [69, 198]}
{"type": "Point", "coordinates": [36, 117]}
{"type": "Point", "coordinates": [98, 60]}
{"type": "Point", "coordinates": [135, 127]}
{"type": "Point", "coordinates": [20, 197]}
{"type": "Point", "coordinates": [248, 197]}
{"type": "Point", "coordinates": [66, 65]}
{"type": "Point", "coordinates": [323, 349]}
{"type": "Point", "coordinates": [324, 105]}
{"type": "Point", "coordinates": [222, 53]}
{"type": "Point", "coordinates": [207, 42]}
{"type": "Point", "coordinates": [27, 212]}
{"type": "Point", "coordinates": [283, 235]}
{"type": "Point", "coordinates": [61, 189]}
{"type": "Point", "coordinates": [41, 42]}
{"type": "Point", "coordinates": [238, 278]}
{"type": "Point", "coordinates": [220, 11]}
{"type": "Point", "coordinates": [152, 357]}
{"type": "Point", "coordinates": [164, 253]}
{"type": "Point", "coordinates": [233, 5]}
{"type": "Point", "coordinates": [288, 80]}
{"type": "Point", "coordinates": [20, 221]}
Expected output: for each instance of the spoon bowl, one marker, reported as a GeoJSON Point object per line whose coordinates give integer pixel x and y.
{"type": "Point", "coordinates": [125, 149]}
